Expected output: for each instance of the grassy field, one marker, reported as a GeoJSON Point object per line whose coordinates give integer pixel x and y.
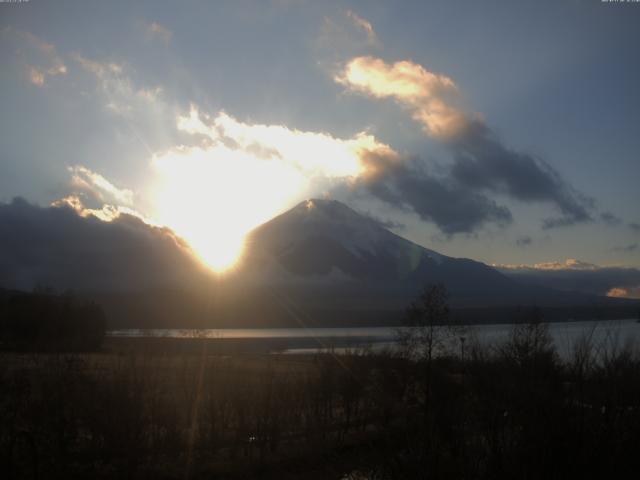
{"type": "Point", "coordinates": [194, 408]}
{"type": "Point", "coordinates": [143, 408]}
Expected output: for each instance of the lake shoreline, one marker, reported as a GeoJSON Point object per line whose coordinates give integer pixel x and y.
{"type": "Point", "coordinates": [313, 340]}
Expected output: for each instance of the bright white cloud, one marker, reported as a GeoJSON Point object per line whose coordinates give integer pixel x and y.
{"type": "Point", "coordinates": [242, 175]}
{"type": "Point", "coordinates": [106, 213]}
{"type": "Point", "coordinates": [91, 194]}
{"type": "Point", "coordinates": [193, 124]}
{"type": "Point", "coordinates": [312, 153]}
{"type": "Point", "coordinates": [93, 184]}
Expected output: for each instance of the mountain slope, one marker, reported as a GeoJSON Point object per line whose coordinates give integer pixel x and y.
{"type": "Point", "coordinates": [318, 235]}
{"type": "Point", "coordinates": [55, 247]}
{"type": "Point", "coordinates": [318, 264]}
{"type": "Point", "coordinates": [319, 238]}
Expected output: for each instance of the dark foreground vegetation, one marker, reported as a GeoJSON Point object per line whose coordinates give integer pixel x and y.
{"type": "Point", "coordinates": [441, 406]}
{"type": "Point", "coordinates": [509, 411]}
{"type": "Point", "coordinates": [44, 321]}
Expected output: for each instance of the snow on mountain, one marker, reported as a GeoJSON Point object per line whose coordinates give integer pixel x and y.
{"type": "Point", "coordinates": [329, 245]}
{"type": "Point", "coordinates": [318, 235]}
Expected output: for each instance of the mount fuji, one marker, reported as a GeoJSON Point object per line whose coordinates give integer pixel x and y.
{"type": "Point", "coordinates": [327, 242]}
{"type": "Point", "coordinates": [319, 264]}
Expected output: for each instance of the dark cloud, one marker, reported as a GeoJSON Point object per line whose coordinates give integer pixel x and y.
{"type": "Point", "coordinates": [524, 241]}
{"type": "Point", "coordinates": [634, 226]}
{"type": "Point", "coordinates": [610, 219]}
{"type": "Point", "coordinates": [626, 248]}
{"type": "Point", "coordinates": [549, 223]}
{"type": "Point", "coordinates": [459, 200]}
{"type": "Point", "coordinates": [443, 201]}
{"type": "Point", "coordinates": [385, 223]}
{"type": "Point", "coordinates": [57, 247]}
{"type": "Point", "coordinates": [391, 225]}
{"type": "Point", "coordinates": [483, 163]}
{"type": "Point", "coordinates": [595, 280]}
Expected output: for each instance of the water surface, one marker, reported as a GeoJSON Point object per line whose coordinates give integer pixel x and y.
{"type": "Point", "coordinates": [305, 340]}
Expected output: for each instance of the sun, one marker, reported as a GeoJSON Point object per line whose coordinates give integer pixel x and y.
{"type": "Point", "coordinates": [240, 175]}
{"type": "Point", "coordinates": [212, 197]}
{"type": "Point", "coordinates": [224, 257]}
{"type": "Point", "coordinates": [218, 249]}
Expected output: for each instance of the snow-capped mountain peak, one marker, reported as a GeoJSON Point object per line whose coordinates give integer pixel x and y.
{"type": "Point", "coordinates": [321, 234]}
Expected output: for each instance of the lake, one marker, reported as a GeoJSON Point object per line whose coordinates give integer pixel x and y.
{"type": "Point", "coordinates": [308, 340]}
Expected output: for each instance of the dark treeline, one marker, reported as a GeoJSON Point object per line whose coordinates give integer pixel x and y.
{"type": "Point", "coordinates": [512, 410]}
{"type": "Point", "coordinates": [441, 406]}
{"type": "Point", "coordinates": [245, 306]}
{"type": "Point", "coordinates": [44, 321]}
{"type": "Point", "coordinates": [484, 315]}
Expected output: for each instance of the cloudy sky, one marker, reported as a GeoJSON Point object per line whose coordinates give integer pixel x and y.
{"type": "Point", "coordinates": [505, 133]}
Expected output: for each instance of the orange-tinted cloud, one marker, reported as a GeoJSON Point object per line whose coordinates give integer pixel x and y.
{"type": "Point", "coordinates": [481, 162]}
{"type": "Point", "coordinates": [363, 25]}
{"type": "Point", "coordinates": [106, 213]}
{"type": "Point", "coordinates": [91, 194]}
{"type": "Point", "coordinates": [155, 29]}
{"type": "Point", "coordinates": [568, 264]}
{"type": "Point", "coordinates": [89, 182]}
{"type": "Point", "coordinates": [36, 76]}
{"type": "Point", "coordinates": [431, 97]}
{"type": "Point", "coordinates": [624, 292]}
{"type": "Point", "coordinates": [578, 276]}
{"type": "Point", "coordinates": [39, 59]}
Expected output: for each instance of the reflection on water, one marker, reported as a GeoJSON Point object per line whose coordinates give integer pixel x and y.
{"type": "Point", "coordinates": [307, 340]}
{"type": "Point", "coordinates": [373, 332]}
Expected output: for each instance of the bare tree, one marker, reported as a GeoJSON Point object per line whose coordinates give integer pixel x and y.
{"type": "Point", "coordinates": [421, 339]}
{"type": "Point", "coordinates": [425, 317]}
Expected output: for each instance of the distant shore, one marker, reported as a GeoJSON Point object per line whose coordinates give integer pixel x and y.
{"type": "Point", "coordinates": [339, 340]}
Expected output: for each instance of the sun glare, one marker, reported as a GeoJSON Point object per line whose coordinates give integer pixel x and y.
{"type": "Point", "coordinates": [208, 196]}
{"type": "Point", "coordinates": [241, 175]}
{"type": "Point", "coordinates": [220, 253]}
